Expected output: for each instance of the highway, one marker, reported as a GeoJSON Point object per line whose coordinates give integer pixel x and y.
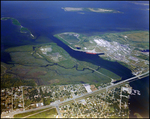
{"type": "Point", "coordinates": [54, 105]}
{"type": "Point", "coordinates": [128, 80]}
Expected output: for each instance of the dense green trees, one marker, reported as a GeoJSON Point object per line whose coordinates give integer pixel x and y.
{"type": "Point", "coordinates": [27, 102]}
{"type": "Point", "coordinates": [47, 101]}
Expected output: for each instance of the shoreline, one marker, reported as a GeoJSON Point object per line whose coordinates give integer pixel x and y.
{"type": "Point", "coordinates": [85, 51]}
{"type": "Point", "coordinates": [134, 108]}
{"type": "Point", "coordinates": [112, 81]}
{"type": "Point", "coordinates": [112, 51]}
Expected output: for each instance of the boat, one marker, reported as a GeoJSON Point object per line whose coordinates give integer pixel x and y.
{"type": "Point", "coordinates": [91, 53]}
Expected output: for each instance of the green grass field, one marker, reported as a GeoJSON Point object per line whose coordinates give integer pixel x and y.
{"type": "Point", "coordinates": [48, 113]}
{"type": "Point", "coordinates": [70, 38]}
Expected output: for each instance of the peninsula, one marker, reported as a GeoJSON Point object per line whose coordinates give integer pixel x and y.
{"type": "Point", "coordinates": [125, 47]}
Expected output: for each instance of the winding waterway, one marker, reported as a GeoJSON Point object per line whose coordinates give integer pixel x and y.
{"type": "Point", "coordinates": [115, 67]}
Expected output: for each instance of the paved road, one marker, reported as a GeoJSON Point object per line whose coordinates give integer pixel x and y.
{"type": "Point", "coordinates": [58, 111]}
{"type": "Point", "coordinates": [84, 95]}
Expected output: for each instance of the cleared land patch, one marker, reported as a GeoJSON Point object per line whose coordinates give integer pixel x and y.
{"type": "Point", "coordinates": [70, 37]}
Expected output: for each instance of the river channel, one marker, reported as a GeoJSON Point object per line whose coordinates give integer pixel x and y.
{"type": "Point", "coordinates": [115, 67]}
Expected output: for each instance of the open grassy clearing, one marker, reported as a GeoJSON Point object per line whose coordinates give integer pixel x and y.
{"type": "Point", "coordinates": [70, 38]}
{"type": "Point", "coordinates": [46, 114]}
{"type": "Point", "coordinates": [28, 113]}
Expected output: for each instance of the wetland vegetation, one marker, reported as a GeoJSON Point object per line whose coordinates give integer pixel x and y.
{"type": "Point", "coordinates": [47, 64]}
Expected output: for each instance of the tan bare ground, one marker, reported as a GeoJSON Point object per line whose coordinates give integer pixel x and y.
{"type": "Point", "coordinates": [54, 81]}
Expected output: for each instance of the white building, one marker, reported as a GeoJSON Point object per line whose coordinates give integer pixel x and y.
{"type": "Point", "coordinates": [88, 88]}
{"type": "Point", "coordinates": [129, 89]}
{"type": "Point", "coordinates": [39, 104]}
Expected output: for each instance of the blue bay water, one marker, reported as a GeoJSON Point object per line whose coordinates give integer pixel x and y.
{"type": "Point", "coordinates": [140, 103]}
{"type": "Point", "coordinates": [47, 19]}
{"type": "Point", "coordinates": [50, 16]}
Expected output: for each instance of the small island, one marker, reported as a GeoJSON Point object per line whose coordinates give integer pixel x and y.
{"type": "Point", "coordinates": [98, 10]}
{"type": "Point", "coordinates": [22, 29]}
